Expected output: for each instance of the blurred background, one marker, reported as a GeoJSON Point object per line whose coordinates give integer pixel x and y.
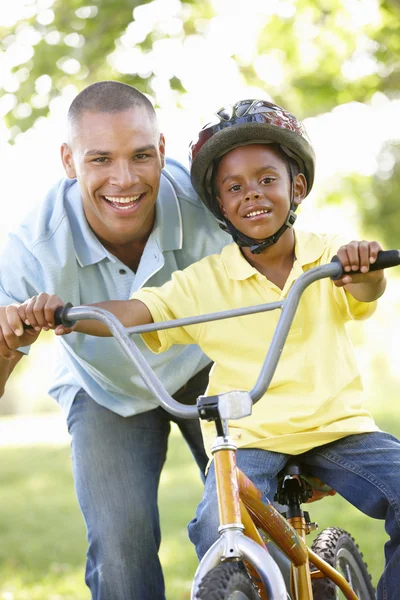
{"type": "Point", "coordinates": [336, 66]}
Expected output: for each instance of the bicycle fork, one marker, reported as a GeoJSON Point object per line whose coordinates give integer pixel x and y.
{"type": "Point", "coordinates": [233, 544]}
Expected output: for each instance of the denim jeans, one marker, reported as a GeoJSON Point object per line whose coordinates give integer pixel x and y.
{"type": "Point", "coordinates": [117, 464]}
{"type": "Point", "coordinates": [363, 468]}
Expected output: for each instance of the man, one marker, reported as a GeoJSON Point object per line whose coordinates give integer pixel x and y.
{"type": "Point", "coordinates": [118, 221]}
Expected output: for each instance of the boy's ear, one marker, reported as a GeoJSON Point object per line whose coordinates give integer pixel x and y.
{"type": "Point", "coordinates": [300, 188]}
{"type": "Point", "coordinates": [221, 206]}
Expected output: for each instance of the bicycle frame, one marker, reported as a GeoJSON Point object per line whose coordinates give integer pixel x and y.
{"type": "Point", "coordinates": [243, 514]}
{"type": "Point", "coordinates": [241, 509]}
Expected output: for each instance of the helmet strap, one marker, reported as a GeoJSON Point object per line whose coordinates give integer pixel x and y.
{"type": "Point", "coordinates": [256, 246]}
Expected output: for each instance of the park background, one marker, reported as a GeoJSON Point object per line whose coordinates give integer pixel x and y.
{"type": "Point", "coordinates": [335, 64]}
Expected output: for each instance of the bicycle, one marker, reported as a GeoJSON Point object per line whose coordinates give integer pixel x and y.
{"type": "Point", "coordinates": [238, 566]}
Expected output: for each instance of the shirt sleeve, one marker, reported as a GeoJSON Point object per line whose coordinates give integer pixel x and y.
{"type": "Point", "coordinates": [20, 275]}
{"type": "Point", "coordinates": [176, 299]}
{"type": "Point", "coordinates": [351, 308]}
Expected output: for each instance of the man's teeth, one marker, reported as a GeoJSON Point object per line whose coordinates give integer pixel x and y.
{"type": "Point", "coordinates": [117, 200]}
{"type": "Point", "coordinates": [257, 212]}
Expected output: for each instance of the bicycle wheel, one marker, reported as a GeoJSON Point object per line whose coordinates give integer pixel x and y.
{"type": "Point", "coordinates": [226, 582]}
{"type": "Point", "coordinates": [339, 549]}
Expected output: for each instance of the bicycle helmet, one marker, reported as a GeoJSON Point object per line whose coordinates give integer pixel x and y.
{"type": "Point", "coordinates": [249, 122]}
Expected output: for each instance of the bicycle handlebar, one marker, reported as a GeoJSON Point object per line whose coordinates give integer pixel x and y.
{"type": "Point", "coordinates": [68, 315]}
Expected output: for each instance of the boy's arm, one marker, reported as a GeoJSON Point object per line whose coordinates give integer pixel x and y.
{"type": "Point", "coordinates": [368, 285]}
{"type": "Point", "coordinates": [38, 312]}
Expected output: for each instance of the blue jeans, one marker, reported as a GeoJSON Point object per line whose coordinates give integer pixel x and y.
{"type": "Point", "coordinates": [117, 464]}
{"type": "Point", "coordinates": [363, 468]}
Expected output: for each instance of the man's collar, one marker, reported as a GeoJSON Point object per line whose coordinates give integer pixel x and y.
{"type": "Point", "coordinates": [308, 249]}
{"type": "Point", "coordinates": [167, 231]}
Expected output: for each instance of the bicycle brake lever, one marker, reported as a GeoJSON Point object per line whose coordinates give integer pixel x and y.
{"type": "Point", "coordinates": [384, 260]}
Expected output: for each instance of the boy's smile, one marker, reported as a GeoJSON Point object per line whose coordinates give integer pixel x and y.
{"type": "Point", "coordinates": [253, 189]}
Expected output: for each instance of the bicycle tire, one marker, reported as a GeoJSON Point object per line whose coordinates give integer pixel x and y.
{"type": "Point", "coordinates": [226, 581]}
{"type": "Point", "coordinates": [338, 548]}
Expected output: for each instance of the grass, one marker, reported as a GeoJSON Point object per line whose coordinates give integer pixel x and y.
{"type": "Point", "coordinates": [42, 535]}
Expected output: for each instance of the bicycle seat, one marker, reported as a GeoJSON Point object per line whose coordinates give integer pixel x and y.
{"type": "Point", "coordinates": [315, 488]}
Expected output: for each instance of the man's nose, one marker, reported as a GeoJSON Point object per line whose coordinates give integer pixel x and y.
{"type": "Point", "coordinates": [124, 175]}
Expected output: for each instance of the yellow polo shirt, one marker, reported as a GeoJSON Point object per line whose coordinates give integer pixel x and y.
{"type": "Point", "coordinates": [315, 396]}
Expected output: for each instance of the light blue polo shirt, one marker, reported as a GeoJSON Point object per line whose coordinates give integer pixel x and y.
{"type": "Point", "coordinates": [55, 251]}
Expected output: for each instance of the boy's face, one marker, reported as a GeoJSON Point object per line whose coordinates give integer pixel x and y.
{"type": "Point", "coordinates": [253, 189]}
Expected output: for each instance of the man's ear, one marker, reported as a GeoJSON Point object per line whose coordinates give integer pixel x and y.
{"type": "Point", "coordinates": [161, 149]}
{"type": "Point", "coordinates": [68, 161]}
{"type": "Point", "coordinates": [300, 188]}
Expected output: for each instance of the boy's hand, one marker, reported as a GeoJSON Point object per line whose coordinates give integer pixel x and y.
{"type": "Point", "coordinates": [38, 312]}
{"type": "Point", "coordinates": [358, 256]}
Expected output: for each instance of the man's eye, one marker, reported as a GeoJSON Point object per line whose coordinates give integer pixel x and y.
{"type": "Point", "coordinates": [141, 156]}
{"type": "Point", "coordinates": [100, 159]}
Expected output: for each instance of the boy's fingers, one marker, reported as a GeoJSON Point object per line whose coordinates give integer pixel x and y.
{"type": "Point", "coordinates": [343, 257]}
{"type": "Point", "coordinates": [52, 304]}
{"type": "Point", "coordinates": [38, 309]}
{"type": "Point", "coordinates": [364, 251]}
{"type": "Point", "coordinates": [374, 249]}
{"type": "Point", "coordinates": [61, 330]}
{"type": "Point", "coordinates": [30, 314]}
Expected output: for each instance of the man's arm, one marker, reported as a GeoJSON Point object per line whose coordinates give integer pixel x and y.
{"type": "Point", "coordinates": [38, 312]}
{"type": "Point", "coordinates": [368, 285]}
{"type": "Point", "coordinates": [9, 342]}
{"type": "Point", "coordinates": [7, 367]}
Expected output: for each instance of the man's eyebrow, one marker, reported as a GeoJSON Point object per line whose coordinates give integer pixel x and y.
{"type": "Point", "coordinates": [265, 168]}
{"type": "Point", "coordinates": [95, 152]}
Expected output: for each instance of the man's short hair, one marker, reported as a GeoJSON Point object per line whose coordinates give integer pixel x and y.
{"type": "Point", "coordinates": [108, 97]}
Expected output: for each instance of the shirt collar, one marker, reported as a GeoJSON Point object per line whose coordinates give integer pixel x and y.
{"type": "Point", "coordinates": [308, 249]}
{"type": "Point", "coordinates": [167, 231]}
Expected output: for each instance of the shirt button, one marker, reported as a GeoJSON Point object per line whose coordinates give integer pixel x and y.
{"type": "Point", "coordinates": [122, 271]}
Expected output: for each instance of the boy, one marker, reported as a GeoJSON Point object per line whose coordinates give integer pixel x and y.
{"type": "Point", "coordinates": [252, 168]}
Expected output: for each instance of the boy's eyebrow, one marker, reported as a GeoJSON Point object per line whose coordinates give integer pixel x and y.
{"type": "Point", "coordinates": [264, 168]}
{"type": "Point", "coordinates": [140, 150]}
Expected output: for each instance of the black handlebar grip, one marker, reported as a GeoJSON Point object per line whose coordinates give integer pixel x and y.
{"type": "Point", "coordinates": [60, 318]}
{"type": "Point", "coordinates": [384, 260]}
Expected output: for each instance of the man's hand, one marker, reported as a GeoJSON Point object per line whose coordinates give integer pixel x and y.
{"type": "Point", "coordinates": [359, 256]}
{"type": "Point", "coordinates": [38, 312]}
{"type": "Point", "coordinates": [9, 339]}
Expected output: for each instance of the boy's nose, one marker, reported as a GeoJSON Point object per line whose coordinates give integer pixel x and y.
{"type": "Point", "coordinates": [252, 195]}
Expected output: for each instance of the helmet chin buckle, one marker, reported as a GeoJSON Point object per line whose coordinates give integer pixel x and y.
{"type": "Point", "coordinates": [291, 219]}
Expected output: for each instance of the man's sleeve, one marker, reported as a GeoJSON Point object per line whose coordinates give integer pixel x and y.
{"type": "Point", "coordinates": [20, 274]}
{"type": "Point", "coordinates": [174, 300]}
{"type": "Point", "coordinates": [351, 308]}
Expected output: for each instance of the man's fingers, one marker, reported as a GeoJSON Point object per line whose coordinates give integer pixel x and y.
{"type": "Point", "coordinates": [14, 320]}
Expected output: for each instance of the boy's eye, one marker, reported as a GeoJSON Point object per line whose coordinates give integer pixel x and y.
{"type": "Point", "coordinates": [267, 179]}
{"type": "Point", "coordinates": [234, 188]}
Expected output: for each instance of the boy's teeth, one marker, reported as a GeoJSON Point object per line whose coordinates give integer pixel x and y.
{"type": "Point", "coordinates": [117, 200]}
{"type": "Point", "coordinates": [257, 212]}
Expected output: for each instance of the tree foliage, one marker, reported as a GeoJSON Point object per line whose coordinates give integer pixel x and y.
{"type": "Point", "coordinates": [310, 56]}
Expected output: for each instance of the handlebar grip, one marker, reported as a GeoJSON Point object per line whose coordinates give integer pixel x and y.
{"type": "Point", "coordinates": [384, 260]}
{"type": "Point", "coordinates": [60, 318]}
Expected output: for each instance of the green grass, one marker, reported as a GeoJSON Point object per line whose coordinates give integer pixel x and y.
{"type": "Point", "coordinates": [42, 535]}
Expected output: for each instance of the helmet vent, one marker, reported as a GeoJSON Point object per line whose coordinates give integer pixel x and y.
{"type": "Point", "coordinates": [224, 114]}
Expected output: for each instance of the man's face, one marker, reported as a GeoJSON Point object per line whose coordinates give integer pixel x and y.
{"type": "Point", "coordinates": [254, 189]}
{"type": "Point", "coordinates": [117, 159]}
